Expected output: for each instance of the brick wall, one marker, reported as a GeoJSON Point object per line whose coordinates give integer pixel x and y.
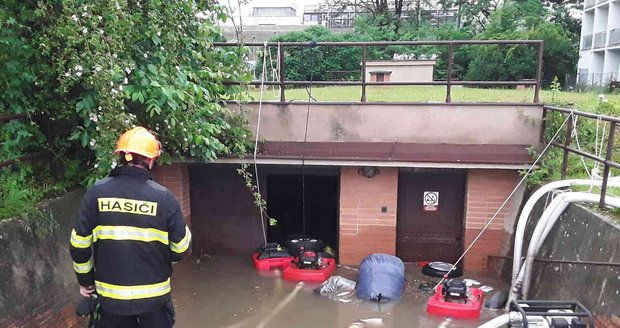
{"type": "Point", "coordinates": [486, 191]}
{"type": "Point", "coordinates": [364, 229]}
{"type": "Point", "coordinates": [175, 177]}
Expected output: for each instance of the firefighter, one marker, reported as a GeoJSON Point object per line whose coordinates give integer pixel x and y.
{"type": "Point", "coordinates": [128, 233]}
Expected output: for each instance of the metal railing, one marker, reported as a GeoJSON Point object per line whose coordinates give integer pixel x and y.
{"type": "Point", "coordinates": [25, 157]}
{"type": "Point", "coordinates": [448, 82]}
{"type": "Point", "coordinates": [607, 161]}
{"type": "Point", "coordinates": [600, 39]}
{"type": "Point", "coordinates": [614, 37]}
{"type": "Point", "coordinates": [587, 42]}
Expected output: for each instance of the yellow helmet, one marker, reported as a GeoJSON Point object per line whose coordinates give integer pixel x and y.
{"type": "Point", "coordinates": [138, 141]}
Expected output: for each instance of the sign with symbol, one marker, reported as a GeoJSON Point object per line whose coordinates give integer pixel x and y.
{"type": "Point", "coordinates": [431, 200]}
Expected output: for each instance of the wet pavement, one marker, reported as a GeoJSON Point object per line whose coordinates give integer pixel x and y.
{"type": "Point", "coordinates": [227, 292]}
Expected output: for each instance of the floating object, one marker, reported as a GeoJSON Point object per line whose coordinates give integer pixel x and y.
{"type": "Point", "coordinates": [382, 277]}
{"type": "Point", "coordinates": [440, 269]}
{"type": "Point", "coordinates": [486, 289]}
{"type": "Point", "coordinates": [324, 269]}
{"type": "Point", "coordinates": [471, 282]}
{"type": "Point", "coordinates": [454, 299]}
{"type": "Point", "coordinates": [271, 256]}
{"type": "Point", "coordinates": [336, 287]}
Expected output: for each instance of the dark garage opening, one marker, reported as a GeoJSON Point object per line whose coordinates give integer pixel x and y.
{"type": "Point", "coordinates": [285, 194]}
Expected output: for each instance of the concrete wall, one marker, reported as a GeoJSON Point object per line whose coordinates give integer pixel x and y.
{"type": "Point", "coordinates": [486, 191]}
{"type": "Point", "coordinates": [421, 123]}
{"type": "Point", "coordinates": [364, 229]}
{"type": "Point", "coordinates": [403, 70]}
{"type": "Point", "coordinates": [38, 287]}
{"type": "Point", "coordinates": [580, 234]}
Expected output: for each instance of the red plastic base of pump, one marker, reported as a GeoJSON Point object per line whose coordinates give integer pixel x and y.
{"type": "Point", "coordinates": [327, 268]}
{"type": "Point", "coordinates": [271, 263]}
{"type": "Point", "coordinates": [469, 310]}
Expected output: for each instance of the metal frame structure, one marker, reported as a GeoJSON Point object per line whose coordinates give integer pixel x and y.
{"type": "Point", "coordinates": [607, 161]}
{"type": "Point", "coordinates": [282, 82]}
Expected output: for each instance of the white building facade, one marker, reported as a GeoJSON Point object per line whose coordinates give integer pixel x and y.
{"type": "Point", "coordinates": [599, 51]}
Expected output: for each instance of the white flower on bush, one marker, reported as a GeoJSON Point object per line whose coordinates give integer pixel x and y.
{"type": "Point", "coordinates": [113, 165]}
{"type": "Point", "coordinates": [128, 70]}
{"type": "Point", "coordinates": [111, 83]}
{"type": "Point", "coordinates": [93, 117]}
{"type": "Point", "coordinates": [85, 30]}
{"type": "Point", "coordinates": [114, 55]}
{"type": "Point", "coordinates": [178, 68]}
{"type": "Point", "coordinates": [97, 69]}
{"type": "Point", "coordinates": [99, 18]}
{"type": "Point", "coordinates": [101, 31]}
{"type": "Point", "coordinates": [78, 73]}
{"type": "Point", "coordinates": [146, 56]}
{"type": "Point", "coordinates": [96, 165]}
{"type": "Point", "coordinates": [120, 88]}
{"type": "Point", "coordinates": [114, 91]}
{"type": "Point", "coordinates": [92, 142]}
{"type": "Point", "coordinates": [74, 17]}
{"type": "Point", "coordinates": [158, 33]}
{"type": "Point", "coordinates": [125, 81]}
{"type": "Point", "coordinates": [67, 74]}
{"type": "Point", "coordinates": [78, 68]}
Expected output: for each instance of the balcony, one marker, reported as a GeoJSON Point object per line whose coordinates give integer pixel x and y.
{"type": "Point", "coordinates": [589, 3]}
{"type": "Point", "coordinates": [599, 39]}
{"type": "Point", "coordinates": [614, 37]}
{"type": "Point", "coordinates": [586, 43]}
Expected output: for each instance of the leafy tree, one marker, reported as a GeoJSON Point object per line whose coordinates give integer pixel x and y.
{"type": "Point", "coordinates": [98, 68]}
{"type": "Point", "coordinates": [522, 20]}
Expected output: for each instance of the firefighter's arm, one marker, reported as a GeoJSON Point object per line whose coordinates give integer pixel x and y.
{"type": "Point", "coordinates": [82, 240]}
{"type": "Point", "coordinates": [178, 233]}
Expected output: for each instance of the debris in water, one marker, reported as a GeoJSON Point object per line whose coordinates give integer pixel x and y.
{"type": "Point", "coordinates": [486, 289]}
{"type": "Point", "coordinates": [471, 282]}
{"type": "Point", "coordinates": [427, 287]}
{"type": "Point", "coordinates": [373, 321]}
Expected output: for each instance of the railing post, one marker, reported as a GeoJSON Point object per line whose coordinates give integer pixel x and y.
{"type": "Point", "coordinates": [567, 141]}
{"type": "Point", "coordinates": [449, 72]}
{"type": "Point", "coordinates": [610, 146]}
{"type": "Point", "coordinates": [363, 73]}
{"type": "Point", "coordinates": [541, 48]}
{"type": "Point", "coordinates": [281, 73]}
{"type": "Point", "coordinates": [543, 125]}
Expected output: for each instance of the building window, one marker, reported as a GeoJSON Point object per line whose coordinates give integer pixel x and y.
{"type": "Point", "coordinates": [380, 77]}
{"type": "Point", "coordinates": [274, 12]}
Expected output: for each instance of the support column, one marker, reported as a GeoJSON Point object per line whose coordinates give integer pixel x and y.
{"type": "Point", "coordinates": [175, 177]}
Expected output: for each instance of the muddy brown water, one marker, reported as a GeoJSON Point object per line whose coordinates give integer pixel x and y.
{"type": "Point", "coordinates": [226, 291]}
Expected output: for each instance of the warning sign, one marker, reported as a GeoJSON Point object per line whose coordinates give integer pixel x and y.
{"type": "Point", "coordinates": [431, 200]}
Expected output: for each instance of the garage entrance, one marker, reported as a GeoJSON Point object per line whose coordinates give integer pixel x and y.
{"type": "Point", "coordinates": [430, 218]}
{"type": "Point", "coordinates": [285, 193]}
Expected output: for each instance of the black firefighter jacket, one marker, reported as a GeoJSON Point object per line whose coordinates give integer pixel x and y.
{"type": "Point", "coordinates": [128, 232]}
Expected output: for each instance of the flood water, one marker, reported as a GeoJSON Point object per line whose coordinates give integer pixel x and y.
{"type": "Point", "coordinates": [226, 291]}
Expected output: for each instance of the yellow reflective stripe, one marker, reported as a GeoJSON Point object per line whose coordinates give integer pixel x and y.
{"type": "Point", "coordinates": [130, 233]}
{"type": "Point", "coordinates": [78, 241]}
{"type": "Point", "coordinates": [182, 245]}
{"type": "Point", "coordinates": [83, 267]}
{"type": "Point", "coordinates": [132, 292]}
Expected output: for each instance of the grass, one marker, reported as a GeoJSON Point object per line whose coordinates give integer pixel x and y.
{"type": "Point", "coordinates": [436, 94]}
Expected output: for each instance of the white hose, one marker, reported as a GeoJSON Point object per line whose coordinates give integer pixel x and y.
{"type": "Point", "coordinates": [546, 223]}
{"type": "Point", "coordinates": [529, 205]}
{"type": "Point", "coordinates": [497, 322]}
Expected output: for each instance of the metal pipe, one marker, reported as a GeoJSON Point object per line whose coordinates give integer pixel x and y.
{"type": "Point", "coordinates": [610, 149]}
{"type": "Point", "coordinates": [449, 72]}
{"type": "Point", "coordinates": [378, 43]}
{"type": "Point", "coordinates": [567, 140]}
{"type": "Point", "coordinates": [281, 73]}
{"type": "Point", "coordinates": [584, 114]}
{"type": "Point", "coordinates": [9, 117]}
{"type": "Point", "coordinates": [541, 47]}
{"type": "Point", "coordinates": [363, 77]}
{"type": "Point", "coordinates": [587, 155]}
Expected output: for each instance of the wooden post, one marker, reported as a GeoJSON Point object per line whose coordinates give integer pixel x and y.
{"type": "Point", "coordinates": [449, 72]}
{"type": "Point", "coordinates": [363, 74]}
{"type": "Point", "coordinates": [281, 73]}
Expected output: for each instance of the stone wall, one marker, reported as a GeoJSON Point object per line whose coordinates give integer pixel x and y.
{"type": "Point", "coordinates": [38, 287]}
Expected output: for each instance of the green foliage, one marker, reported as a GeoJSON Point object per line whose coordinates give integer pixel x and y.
{"type": "Point", "coordinates": [522, 20]}
{"type": "Point", "coordinates": [99, 68]}
{"type": "Point", "coordinates": [315, 63]}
